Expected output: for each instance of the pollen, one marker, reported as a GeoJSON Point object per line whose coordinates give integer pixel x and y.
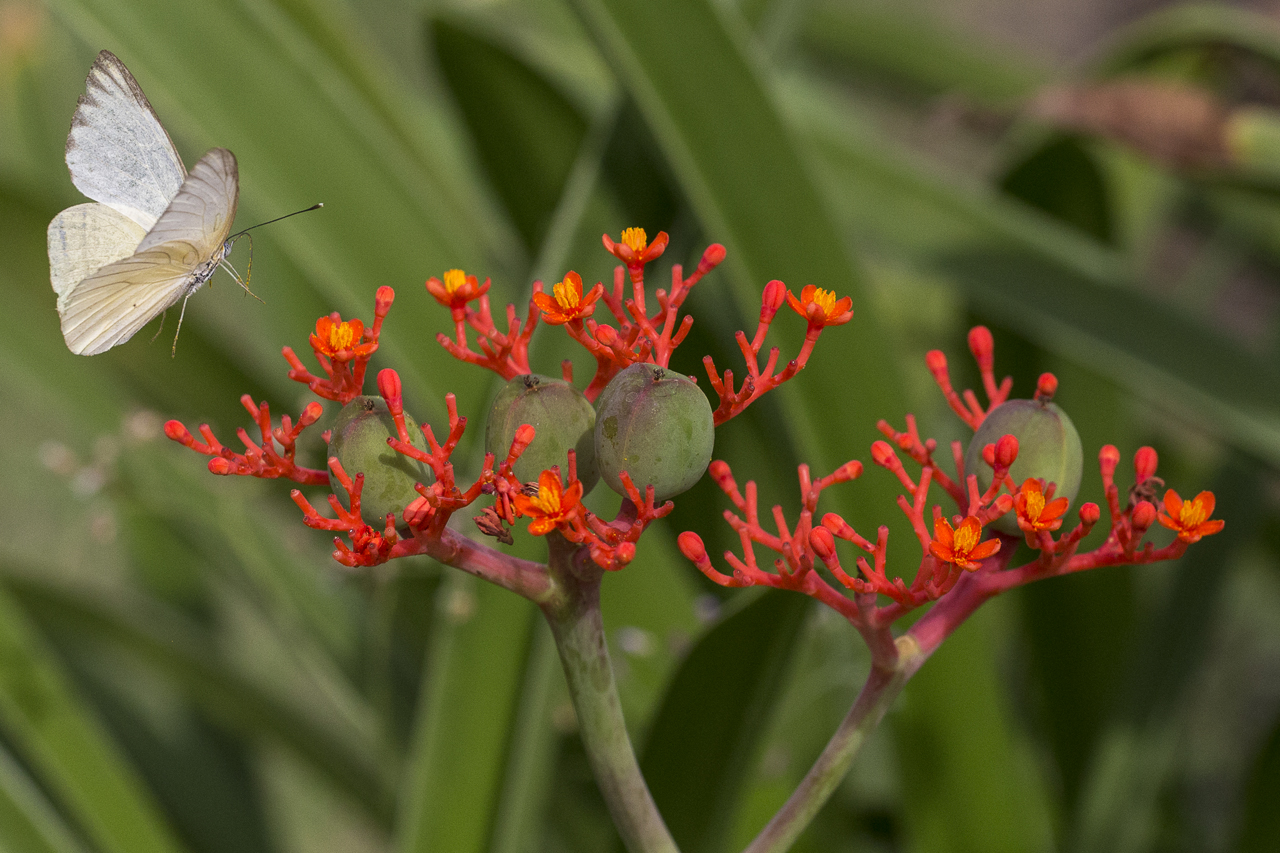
{"type": "Point", "coordinates": [342, 336]}
{"type": "Point", "coordinates": [454, 280]}
{"type": "Point", "coordinates": [568, 293]}
{"type": "Point", "coordinates": [635, 239]}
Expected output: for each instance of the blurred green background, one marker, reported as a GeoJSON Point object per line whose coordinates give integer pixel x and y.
{"type": "Point", "coordinates": [183, 668]}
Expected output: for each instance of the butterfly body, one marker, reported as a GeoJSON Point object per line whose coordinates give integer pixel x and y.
{"type": "Point", "coordinates": [156, 232]}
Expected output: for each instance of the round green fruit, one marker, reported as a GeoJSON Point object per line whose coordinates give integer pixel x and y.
{"type": "Point", "coordinates": [563, 419]}
{"type": "Point", "coordinates": [359, 440]}
{"type": "Point", "coordinates": [656, 425]}
{"type": "Point", "coordinates": [1048, 448]}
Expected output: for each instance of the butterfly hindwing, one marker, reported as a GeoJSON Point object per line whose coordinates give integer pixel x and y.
{"type": "Point", "coordinates": [84, 239]}
{"type": "Point", "coordinates": [110, 306]}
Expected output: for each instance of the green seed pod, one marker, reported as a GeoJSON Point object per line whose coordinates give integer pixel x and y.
{"type": "Point", "coordinates": [563, 418]}
{"type": "Point", "coordinates": [359, 440]}
{"type": "Point", "coordinates": [656, 425]}
{"type": "Point", "coordinates": [1048, 447]}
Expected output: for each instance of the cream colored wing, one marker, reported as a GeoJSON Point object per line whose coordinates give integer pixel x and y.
{"type": "Point", "coordinates": [117, 151]}
{"type": "Point", "coordinates": [84, 239]}
{"type": "Point", "coordinates": [201, 214]}
{"type": "Point", "coordinates": [172, 261]}
{"type": "Point", "coordinates": [110, 306]}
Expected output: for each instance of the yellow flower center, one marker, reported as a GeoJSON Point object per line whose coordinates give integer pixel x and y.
{"type": "Point", "coordinates": [824, 299]}
{"type": "Point", "coordinates": [567, 294]}
{"type": "Point", "coordinates": [454, 280]}
{"type": "Point", "coordinates": [547, 501]}
{"type": "Point", "coordinates": [1192, 514]}
{"type": "Point", "coordinates": [1034, 499]}
{"type": "Point", "coordinates": [635, 239]}
{"type": "Point", "coordinates": [341, 336]}
{"type": "Point", "coordinates": [966, 537]}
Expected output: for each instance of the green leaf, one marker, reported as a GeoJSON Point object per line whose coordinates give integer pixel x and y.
{"type": "Point", "coordinates": [471, 689]}
{"type": "Point", "coordinates": [164, 642]}
{"type": "Point", "coordinates": [68, 748]}
{"type": "Point", "coordinates": [28, 821]}
{"type": "Point", "coordinates": [1133, 767]}
{"type": "Point", "coordinates": [971, 780]}
{"type": "Point", "coordinates": [1191, 26]}
{"type": "Point", "coordinates": [706, 736]}
{"type": "Point", "coordinates": [1092, 322]}
{"type": "Point", "coordinates": [1062, 178]}
{"type": "Point", "coordinates": [1260, 828]}
{"type": "Point", "coordinates": [912, 48]}
{"type": "Point", "coordinates": [526, 132]}
{"type": "Point", "coordinates": [1046, 280]}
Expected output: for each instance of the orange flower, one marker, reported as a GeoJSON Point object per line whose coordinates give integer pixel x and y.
{"type": "Point", "coordinates": [1033, 513]}
{"type": "Point", "coordinates": [340, 340]}
{"type": "Point", "coordinates": [457, 289]}
{"type": "Point", "coordinates": [634, 249]}
{"type": "Point", "coordinates": [830, 311]}
{"type": "Point", "coordinates": [552, 506]}
{"type": "Point", "coordinates": [1190, 518]}
{"type": "Point", "coordinates": [961, 545]}
{"type": "Point", "coordinates": [566, 302]}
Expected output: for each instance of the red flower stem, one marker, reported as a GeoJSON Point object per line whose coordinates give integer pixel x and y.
{"type": "Point", "coordinates": [523, 577]}
{"type": "Point", "coordinates": [576, 624]}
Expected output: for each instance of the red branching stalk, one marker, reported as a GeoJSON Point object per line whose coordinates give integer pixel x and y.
{"type": "Point", "coordinates": [261, 459]}
{"type": "Point", "coordinates": [957, 569]}
{"type": "Point", "coordinates": [982, 345]}
{"type": "Point", "coordinates": [639, 337]}
{"type": "Point", "coordinates": [505, 353]}
{"type": "Point", "coordinates": [635, 335]}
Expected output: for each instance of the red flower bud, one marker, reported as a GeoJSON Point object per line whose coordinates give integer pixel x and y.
{"type": "Point", "coordinates": [983, 347]}
{"type": "Point", "coordinates": [1144, 464]}
{"type": "Point", "coordinates": [691, 546]}
{"type": "Point", "coordinates": [389, 385]}
{"type": "Point", "coordinates": [1108, 459]}
{"type": "Point", "coordinates": [822, 543]}
{"type": "Point", "coordinates": [1046, 387]}
{"type": "Point", "coordinates": [1144, 515]}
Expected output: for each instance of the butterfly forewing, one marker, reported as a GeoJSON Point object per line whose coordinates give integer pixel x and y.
{"type": "Point", "coordinates": [117, 151]}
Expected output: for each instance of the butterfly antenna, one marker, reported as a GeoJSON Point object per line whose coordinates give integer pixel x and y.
{"type": "Point", "coordinates": [315, 206]}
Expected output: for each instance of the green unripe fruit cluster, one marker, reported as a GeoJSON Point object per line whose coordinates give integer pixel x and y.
{"type": "Point", "coordinates": [656, 425]}
{"type": "Point", "coordinates": [1048, 448]}
{"type": "Point", "coordinates": [359, 440]}
{"type": "Point", "coordinates": [562, 418]}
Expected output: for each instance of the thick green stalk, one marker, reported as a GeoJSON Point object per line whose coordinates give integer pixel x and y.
{"type": "Point", "coordinates": [574, 615]}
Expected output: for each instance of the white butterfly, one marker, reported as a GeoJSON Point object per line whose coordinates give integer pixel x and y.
{"type": "Point", "coordinates": [158, 234]}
